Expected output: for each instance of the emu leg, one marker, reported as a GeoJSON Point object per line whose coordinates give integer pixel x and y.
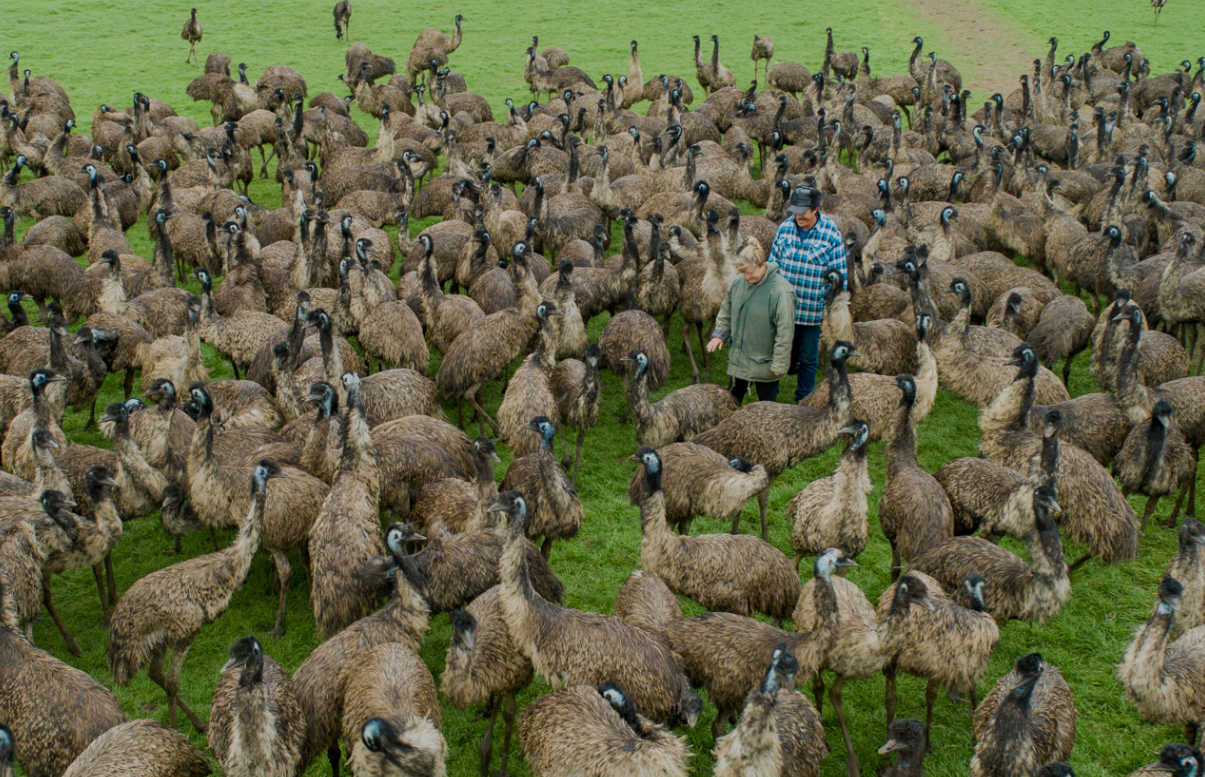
{"type": "Point", "coordinates": [1067, 369]}
{"type": "Point", "coordinates": [284, 574]}
{"type": "Point", "coordinates": [482, 415]}
{"type": "Point", "coordinates": [818, 691]}
{"type": "Point", "coordinates": [100, 589]}
{"type": "Point", "coordinates": [509, 715]}
{"type": "Point", "coordinates": [129, 383]}
{"type": "Point", "coordinates": [623, 416]}
{"type": "Point", "coordinates": [334, 755]}
{"type": "Point", "coordinates": [1079, 562]}
{"type": "Point", "coordinates": [720, 725]}
{"type": "Point", "coordinates": [694, 368]}
{"type": "Point", "coordinates": [853, 768]}
{"type": "Point", "coordinates": [173, 683]}
{"type": "Point", "coordinates": [577, 458]}
{"type": "Point", "coordinates": [1192, 484]}
{"type": "Point", "coordinates": [110, 581]}
{"type": "Point", "coordinates": [1151, 502]}
{"type": "Point", "coordinates": [486, 749]}
{"type": "Point", "coordinates": [895, 565]}
{"type": "Point", "coordinates": [546, 548]}
{"type": "Point", "coordinates": [155, 672]}
{"type": "Point", "coordinates": [706, 354]}
{"type": "Point", "coordinates": [233, 367]}
{"type": "Point", "coordinates": [890, 702]}
{"type": "Point", "coordinates": [459, 414]}
{"type": "Point", "coordinates": [1179, 501]}
{"type": "Point", "coordinates": [761, 506]}
{"type": "Point", "coordinates": [1190, 732]}
{"type": "Point", "coordinates": [72, 645]}
{"type": "Point", "coordinates": [930, 700]}
{"type": "Point", "coordinates": [565, 460]}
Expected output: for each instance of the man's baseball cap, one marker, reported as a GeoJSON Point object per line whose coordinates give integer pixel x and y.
{"type": "Point", "coordinates": [803, 199]}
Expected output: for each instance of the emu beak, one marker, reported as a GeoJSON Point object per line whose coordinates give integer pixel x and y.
{"type": "Point", "coordinates": [846, 562]}
{"type": "Point", "coordinates": [497, 507]}
{"type": "Point", "coordinates": [69, 503]}
{"type": "Point", "coordinates": [233, 663]}
{"type": "Point", "coordinates": [56, 378]}
{"type": "Point", "coordinates": [891, 746]}
{"type": "Point", "coordinates": [50, 443]}
{"type": "Point", "coordinates": [1054, 507]}
{"type": "Point", "coordinates": [494, 458]}
{"type": "Point", "coordinates": [106, 418]}
{"type": "Point", "coordinates": [1121, 317]}
{"type": "Point", "coordinates": [416, 538]}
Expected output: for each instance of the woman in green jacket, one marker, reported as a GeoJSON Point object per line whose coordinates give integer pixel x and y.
{"type": "Point", "coordinates": [757, 322]}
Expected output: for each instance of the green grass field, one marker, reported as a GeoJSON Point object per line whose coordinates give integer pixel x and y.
{"type": "Point", "coordinates": [104, 54]}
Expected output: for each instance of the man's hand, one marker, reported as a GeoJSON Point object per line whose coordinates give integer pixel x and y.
{"type": "Point", "coordinates": [714, 344]}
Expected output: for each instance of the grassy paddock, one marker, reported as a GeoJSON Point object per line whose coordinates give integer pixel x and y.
{"type": "Point", "coordinates": [102, 54]}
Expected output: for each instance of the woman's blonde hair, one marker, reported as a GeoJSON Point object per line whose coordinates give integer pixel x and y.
{"type": "Point", "coordinates": [751, 255]}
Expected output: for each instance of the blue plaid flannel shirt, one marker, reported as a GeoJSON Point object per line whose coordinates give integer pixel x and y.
{"type": "Point", "coordinates": [803, 258]}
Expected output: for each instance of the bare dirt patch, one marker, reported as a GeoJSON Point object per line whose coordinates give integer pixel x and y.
{"type": "Point", "coordinates": [987, 50]}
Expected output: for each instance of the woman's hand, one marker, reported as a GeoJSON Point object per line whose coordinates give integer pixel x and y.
{"type": "Point", "coordinates": [714, 344]}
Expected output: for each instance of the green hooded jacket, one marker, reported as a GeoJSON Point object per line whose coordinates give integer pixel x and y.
{"type": "Point", "coordinates": [757, 322]}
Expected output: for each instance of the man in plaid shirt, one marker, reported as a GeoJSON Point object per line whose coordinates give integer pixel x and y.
{"type": "Point", "coordinates": [807, 245]}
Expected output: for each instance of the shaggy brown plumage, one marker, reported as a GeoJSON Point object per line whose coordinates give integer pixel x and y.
{"type": "Point", "coordinates": [634, 330]}
{"type": "Point", "coordinates": [1094, 511]}
{"type": "Point", "coordinates": [483, 662]}
{"type": "Point", "coordinates": [645, 601]}
{"type": "Point", "coordinates": [40, 693]}
{"type": "Point", "coordinates": [1155, 460]}
{"type": "Point", "coordinates": [529, 391]}
{"type": "Point", "coordinates": [735, 573]}
{"type": "Point", "coordinates": [578, 393]}
{"type": "Point", "coordinates": [255, 724]}
{"type": "Point", "coordinates": [554, 509]}
{"type": "Point", "coordinates": [570, 646]}
{"type": "Point", "coordinates": [863, 642]}
{"type": "Point", "coordinates": [347, 532]}
{"type": "Point", "coordinates": [1051, 711]}
{"type": "Point", "coordinates": [168, 608]}
{"type": "Point", "coordinates": [293, 506]}
{"type": "Point", "coordinates": [391, 682]}
{"type": "Point", "coordinates": [831, 512]}
{"type": "Point", "coordinates": [1014, 588]}
{"type": "Point", "coordinates": [1165, 681]}
{"type": "Point", "coordinates": [724, 653]}
{"type": "Point", "coordinates": [678, 416]}
{"type": "Point", "coordinates": [318, 682]}
{"type": "Point", "coordinates": [780, 731]}
{"type": "Point", "coordinates": [698, 481]}
{"type": "Point", "coordinates": [484, 350]}
{"type": "Point", "coordinates": [458, 569]}
{"type": "Point", "coordinates": [875, 397]}
{"type": "Point", "coordinates": [779, 436]}
{"type": "Point", "coordinates": [914, 510]}
{"type": "Point", "coordinates": [1189, 571]}
{"type": "Point", "coordinates": [945, 643]}
{"type": "Point", "coordinates": [143, 747]}
{"type": "Point", "coordinates": [597, 732]}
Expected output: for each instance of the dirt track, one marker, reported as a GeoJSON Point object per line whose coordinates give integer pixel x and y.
{"type": "Point", "coordinates": [985, 47]}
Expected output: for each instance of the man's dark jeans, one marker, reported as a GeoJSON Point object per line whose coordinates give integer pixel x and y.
{"type": "Point", "coordinates": [766, 392]}
{"type": "Point", "coordinates": [805, 352]}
